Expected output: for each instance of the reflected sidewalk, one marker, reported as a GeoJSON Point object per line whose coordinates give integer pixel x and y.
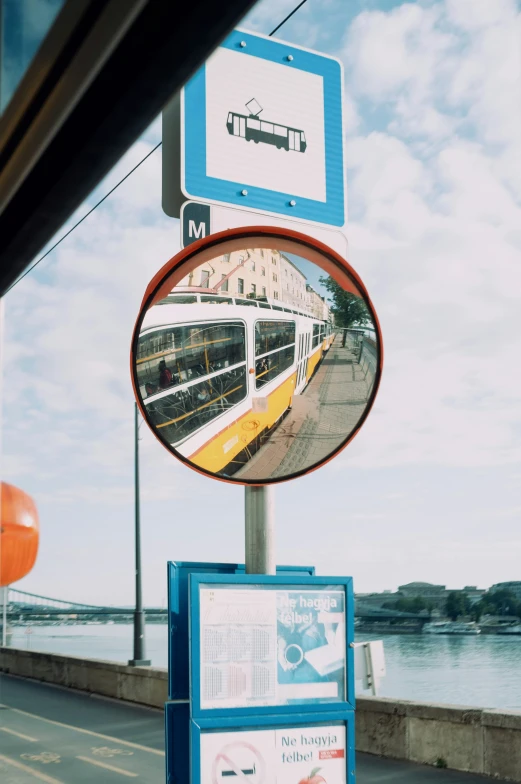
{"type": "Point", "coordinates": [320, 418]}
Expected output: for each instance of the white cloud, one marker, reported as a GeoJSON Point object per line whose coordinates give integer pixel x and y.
{"type": "Point", "coordinates": [396, 51]}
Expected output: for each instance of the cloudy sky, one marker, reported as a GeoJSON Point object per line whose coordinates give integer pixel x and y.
{"type": "Point", "coordinates": [430, 489]}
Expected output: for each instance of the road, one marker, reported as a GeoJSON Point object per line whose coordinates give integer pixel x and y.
{"type": "Point", "coordinates": [49, 734]}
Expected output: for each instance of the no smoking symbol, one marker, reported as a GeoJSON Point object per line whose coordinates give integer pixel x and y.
{"type": "Point", "coordinates": [238, 762]}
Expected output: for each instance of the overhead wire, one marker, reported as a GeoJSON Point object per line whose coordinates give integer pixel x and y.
{"type": "Point", "coordinates": [95, 207]}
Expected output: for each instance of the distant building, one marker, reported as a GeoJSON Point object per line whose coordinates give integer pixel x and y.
{"type": "Point", "coordinates": [474, 594]}
{"type": "Point", "coordinates": [375, 600]}
{"type": "Point", "coordinates": [434, 595]}
{"type": "Point", "coordinates": [425, 590]}
{"type": "Point", "coordinates": [513, 587]}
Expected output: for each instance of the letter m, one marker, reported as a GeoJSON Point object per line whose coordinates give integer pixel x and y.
{"type": "Point", "coordinates": [196, 231]}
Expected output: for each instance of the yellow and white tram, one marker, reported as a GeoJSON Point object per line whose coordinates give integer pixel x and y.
{"type": "Point", "coordinates": [219, 376]}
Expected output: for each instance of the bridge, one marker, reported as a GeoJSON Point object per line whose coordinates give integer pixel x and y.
{"type": "Point", "coordinates": [22, 606]}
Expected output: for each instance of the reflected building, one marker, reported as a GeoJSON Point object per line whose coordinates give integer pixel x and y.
{"type": "Point", "coordinates": [254, 273]}
{"type": "Point", "coordinates": [293, 288]}
{"type": "Point", "coordinates": [316, 304]}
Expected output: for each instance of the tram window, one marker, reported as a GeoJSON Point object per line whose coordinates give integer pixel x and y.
{"type": "Point", "coordinates": [271, 335]}
{"type": "Point", "coordinates": [277, 307]}
{"type": "Point", "coordinates": [180, 414]}
{"type": "Point", "coordinates": [316, 335]}
{"type": "Point", "coordinates": [216, 300]}
{"type": "Point", "coordinates": [287, 310]}
{"type": "Point", "coordinates": [250, 302]}
{"type": "Point", "coordinates": [269, 367]}
{"type": "Point", "coordinates": [264, 305]}
{"type": "Point", "coordinates": [280, 131]}
{"type": "Point", "coordinates": [230, 117]}
{"type": "Point", "coordinates": [179, 299]}
{"type": "Point", "coordinates": [255, 124]}
{"type": "Point", "coordinates": [172, 355]}
{"type": "Point", "coordinates": [266, 127]}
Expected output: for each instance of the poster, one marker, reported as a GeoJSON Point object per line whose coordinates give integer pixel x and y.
{"type": "Point", "coordinates": [265, 646]}
{"type": "Point", "coordinates": [304, 755]}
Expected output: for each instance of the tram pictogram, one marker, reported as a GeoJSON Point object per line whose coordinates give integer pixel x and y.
{"type": "Point", "coordinates": [251, 128]}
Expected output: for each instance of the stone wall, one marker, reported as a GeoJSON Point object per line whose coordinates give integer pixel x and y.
{"type": "Point", "coordinates": [144, 685]}
{"type": "Point", "coordinates": [458, 737]}
{"type": "Point", "coordinates": [461, 738]}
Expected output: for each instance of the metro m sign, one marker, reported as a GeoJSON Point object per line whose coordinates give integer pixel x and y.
{"type": "Point", "coordinates": [195, 222]}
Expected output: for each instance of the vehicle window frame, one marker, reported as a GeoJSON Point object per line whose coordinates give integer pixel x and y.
{"type": "Point", "coordinates": [186, 385]}
{"type": "Point", "coordinates": [258, 357]}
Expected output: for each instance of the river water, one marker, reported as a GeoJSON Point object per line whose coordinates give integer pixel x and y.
{"type": "Point", "coordinates": [483, 671]}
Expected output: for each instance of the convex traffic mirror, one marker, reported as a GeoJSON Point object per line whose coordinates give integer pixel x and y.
{"type": "Point", "coordinates": [256, 355]}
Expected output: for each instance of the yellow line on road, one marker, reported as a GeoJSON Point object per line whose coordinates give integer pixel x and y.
{"type": "Point", "coordinates": [19, 734]}
{"type": "Point", "coordinates": [108, 767]}
{"type": "Point", "coordinates": [31, 771]}
{"type": "Point", "coordinates": [90, 732]}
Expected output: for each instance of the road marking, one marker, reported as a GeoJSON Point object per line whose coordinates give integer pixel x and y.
{"type": "Point", "coordinates": [108, 767]}
{"type": "Point", "coordinates": [19, 734]}
{"type": "Point", "coordinates": [27, 769]}
{"type": "Point", "coordinates": [43, 756]}
{"type": "Point", "coordinates": [90, 732]}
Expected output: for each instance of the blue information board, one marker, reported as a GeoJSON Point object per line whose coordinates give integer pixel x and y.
{"type": "Point", "coordinates": [263, 644]}
{"type": "Point", "coordinates": [271, 676]}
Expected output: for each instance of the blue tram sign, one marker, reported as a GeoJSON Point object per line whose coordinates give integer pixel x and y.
{"type": "Point", "coordinates": [262, 128]}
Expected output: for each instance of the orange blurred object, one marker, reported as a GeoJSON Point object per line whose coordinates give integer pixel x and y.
{"type": "Point", "coordinates": [19, 534]}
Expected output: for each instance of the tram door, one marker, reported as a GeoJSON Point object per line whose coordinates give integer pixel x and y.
{"type": "Point", "coordinates": [239, 126]}
{"type": "Point", "coordinates": [302, 361]}
{"type": "Point", "coordinates": [294, 140]}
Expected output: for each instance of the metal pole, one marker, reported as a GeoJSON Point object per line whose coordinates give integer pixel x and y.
{"type": "Point", "coordinates": [139, 616]}
{"type": "Point", "coordinates": [260, 530]}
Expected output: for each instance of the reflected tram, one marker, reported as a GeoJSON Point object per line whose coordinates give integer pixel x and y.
{"type": "Point", "coordinates": [218, 377]}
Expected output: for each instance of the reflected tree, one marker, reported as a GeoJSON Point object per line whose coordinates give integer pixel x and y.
{"type": "Point", "coordinates": [348, 309]}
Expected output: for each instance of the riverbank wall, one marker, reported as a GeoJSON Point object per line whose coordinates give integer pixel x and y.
{"type": "Point", "coordinates": [447, 736]}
